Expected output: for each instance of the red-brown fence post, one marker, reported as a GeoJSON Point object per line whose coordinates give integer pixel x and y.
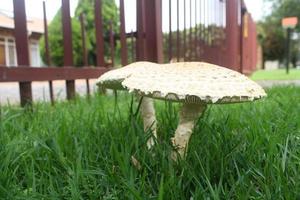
{"type": "Point", "coordinates": [196, 42]}
{"type": "Point", "coordinates": [84, 49]}
{"type": "Point", "coordinates": [124, 54]}
{"type": "Point", "coordinates": [184, 30]}
{"type": "Point", "coordinates": [112, 43]}
{"type": "Point", "coordinates": [190, 34]}
{"type": "Point", "coordinates": [133, 57]}
{"type": "Point", "coordinates": [99, 33]}
{"type": "Point", "coordinates": [68, 47]}
{"type": "Point", "coordinates": [232, 35]}
{"type": "Point", "coordinates": [83, 39]}
{"type": "Point", "coordinates": [177, 34]}
{"type": "Point", "coordinates": [22, 48]}
{"type": "Point", "coordinates": [255, 46]}
{"type": "Point", "coordinates": [151, 12]}
{"type": "Point", "coordinates": [170, 45]}
{"type": "Point", "coordinates": [47, 52]}
{"type": "Point", "coordinates": [243, 26]}
{"type": "Point", "coordinates": [140, 30]}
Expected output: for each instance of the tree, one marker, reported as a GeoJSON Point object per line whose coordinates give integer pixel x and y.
{"type": "Point", "coordinates": [272, 40]}
{"type": "Point", "coordinates": [285, 8]}
{"type": "Point", "coordinates": [271, 34]}
{"type": "Point", "coordinates": [109, 13]}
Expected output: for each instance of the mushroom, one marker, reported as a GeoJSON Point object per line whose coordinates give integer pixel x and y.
{"type": "Point", "coordinates": [113, 79]}
{"type": "Point", "coordinates": [195, 84]}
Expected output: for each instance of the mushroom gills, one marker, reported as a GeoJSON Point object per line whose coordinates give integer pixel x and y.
{"type": "Point", "coordinates": [149, 119]}
{"type": "Point", "coordinates": [189, 113]}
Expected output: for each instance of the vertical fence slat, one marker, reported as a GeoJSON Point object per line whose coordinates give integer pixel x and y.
{"type": "Point", "coordinates": [83, 39]}
{"type": "Point", "coordinates": [84, 49]}
{"type": "Point", "coordinates": [254, 42]}
{"type": "Point", "coordinates": [99, 33]}
{"type": "Point", "coordinates": [212, 17]}
{"type": "Point", "coordinates": [184, 30]}
{"type": "Point", "coordinates": [141, 28]}
{"type": "Point", "coordinates": [67, 33]}
{"type": "Point", "coordinates": [47, 52]}
{"type": "Point", "coordinates": [191, 33]}
{"type": "Point", "coordinates": [212, 23]}
{"type": "Point", "coordinates": [177, 35]}
{"type": "Point", "coordinates": [68, 47]}
{"type": "Point", "coordinates": [200, 23]}
{"type": "Point", "coordinates": [123, 41]}
{"type": "Point", "coordinates": [241, 40]}
{"type": "Point", "coordinates": [133, 57]}
{"type": "Point", "coordinates": [112, 44]}
{"type": "Point", "coordinates": [209, 21]}
{"type": "Point", "coordinates": [170, 31]}
{"type": "Point", "coordinates": [196, 33]}
{"type": "Point", "coordinates": [154, 37]}
{"type": "Point", "coordinates": [204, 23]}
{"type": "Point", "coordinates": [200, 30]}
{"type": "Point", "coordinates": [222, 12]}
{"type": "Point", "coordinates": [232, 39]}
{"type": "Point", "coordinates": [22, 48]}
{"type": "Point", "coordinates": [158, 31]}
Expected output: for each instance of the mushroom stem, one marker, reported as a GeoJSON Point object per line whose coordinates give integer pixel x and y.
{"type": "Point", "coordinates": [189, 113]}
{"type": "Point", "coordinates": [149, 119]}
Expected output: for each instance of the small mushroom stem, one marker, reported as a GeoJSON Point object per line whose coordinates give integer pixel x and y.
{"type": "Point", "coordinates": [149, 119]}
{"type": "Point", "coordinates": [189, 113]}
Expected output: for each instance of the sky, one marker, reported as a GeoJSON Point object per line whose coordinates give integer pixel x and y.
{"type": "Point", "coordinates": [258, 8]}
{"type": "Point", "coordinates": [34, 9]}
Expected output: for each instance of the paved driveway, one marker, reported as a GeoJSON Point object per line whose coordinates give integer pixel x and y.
{"type": "Point", "coordinates": [271, 83]}
{"type": "Point", "coordinates": [9, 92]}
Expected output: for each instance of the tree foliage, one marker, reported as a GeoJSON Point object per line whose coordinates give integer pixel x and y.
{"type": "Point", "coordinates": [271, 34]}
{"type": "Point", "coordinates": [109, 14]}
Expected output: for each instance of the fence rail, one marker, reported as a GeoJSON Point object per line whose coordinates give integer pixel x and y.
{"type": "Point", "coordinates": [216, 31]}
{"type": "Point", "coordinates": [28, 74]}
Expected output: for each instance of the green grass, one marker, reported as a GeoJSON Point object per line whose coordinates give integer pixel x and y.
{"type": "Point", "coordinates": [82, 150]}
{"type": "Point", "coordinates": [277, 74]}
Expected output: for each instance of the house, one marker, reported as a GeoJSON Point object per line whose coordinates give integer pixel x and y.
{"type": "Point", "coordinates": [8, 55]}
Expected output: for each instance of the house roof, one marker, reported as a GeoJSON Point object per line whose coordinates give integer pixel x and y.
{"type": "Point", "coordinates": [33, 24]}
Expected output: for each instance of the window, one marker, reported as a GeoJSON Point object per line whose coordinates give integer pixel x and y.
{"type": "Point", "coordinates": [34, 54]}
{"type": "Point", "coordinates": [8, 54]}
{"type": "Point", "coordinates": [2, 52]}
{"type": "Point", "coordinates": [11, 53]}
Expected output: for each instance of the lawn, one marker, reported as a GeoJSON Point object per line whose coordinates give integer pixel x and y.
{"type": "Point", "coordinates": [83, 149]}
{"type": "Point", "coordinates": [277, 74]}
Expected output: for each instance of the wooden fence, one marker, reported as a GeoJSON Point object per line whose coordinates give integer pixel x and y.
{"type": "Point", "coordinates": [216, 31]}
{"type": "Point", "coordinates": [220, 32]}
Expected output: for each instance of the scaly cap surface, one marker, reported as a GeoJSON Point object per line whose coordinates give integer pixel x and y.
{"type": "Point", "coordinates": [194, 82]}
{"type": "Point", "coordinates": [113, 78]}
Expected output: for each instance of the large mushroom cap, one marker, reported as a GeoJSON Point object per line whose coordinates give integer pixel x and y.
{"type": "Point", "coordinates": [194, 82]}
{"type": "Point", "coordinates": [113, 78]}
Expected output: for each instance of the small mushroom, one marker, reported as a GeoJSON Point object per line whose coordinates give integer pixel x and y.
{"type": "Point", "coordinates": [113, 79]}
{"type": "Point", "coordinates": [195, 84]}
